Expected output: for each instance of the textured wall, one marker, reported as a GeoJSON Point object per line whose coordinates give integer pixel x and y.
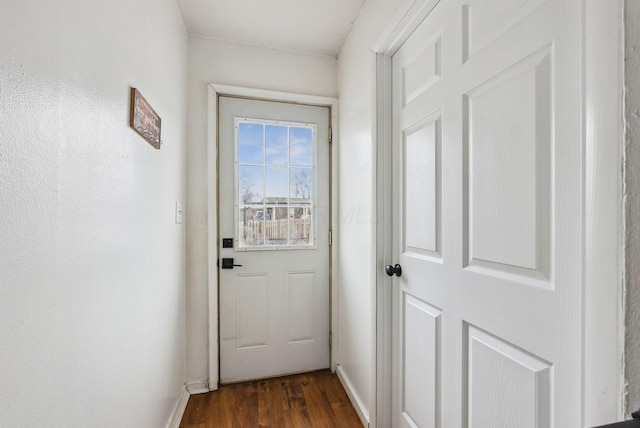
{"type": "Point", "coordinates": [92, 302]}
{"type": "Point", "coordinates": [632, 114]}
{"type": "Point", "coordinates": [215, 61]}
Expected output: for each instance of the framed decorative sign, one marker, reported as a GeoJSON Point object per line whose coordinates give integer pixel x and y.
{"type": "Point", "coordinates": [144, 119]}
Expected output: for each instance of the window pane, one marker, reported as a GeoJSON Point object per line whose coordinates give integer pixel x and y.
{"type": "Point", "coordinates": [277, 186]}
{"type": "Point", "coordinates": [250, 184]}
{"type": "Point", "coordinates": [301, 189]}
{"type": "Point", "coordinates": [276, 226]}
{"type": "Point", "coordinates": [300, 226]}
{"type": "Point", "coordinates": [301, 146]}
{"type": "Point", "coordinates": [276, 145]}
{"type": "Point", "coordinates": [250, 143]}
{"type": "Point", "coordinates": [251, 226]}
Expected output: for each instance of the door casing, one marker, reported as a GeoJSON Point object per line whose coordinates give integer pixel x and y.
{"type": "Point", "coordinates": [214, 91]}
{"type": "Point", "coordinates": [603, 381]}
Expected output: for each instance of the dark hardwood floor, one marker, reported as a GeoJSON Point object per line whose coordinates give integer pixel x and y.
{"type": "Point", "coordinates": [309, 400]}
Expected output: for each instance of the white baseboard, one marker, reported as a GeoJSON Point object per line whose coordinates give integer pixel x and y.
{"type": "Point", "coordinates": [198, 387]}
{"type": "Point", "coordinates": [178, 412]}
{"type": "Point", "coordinates": [363, 414]}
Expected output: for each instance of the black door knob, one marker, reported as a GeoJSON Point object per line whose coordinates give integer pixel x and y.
{"type": "Point", "coordinates": [394, 270]}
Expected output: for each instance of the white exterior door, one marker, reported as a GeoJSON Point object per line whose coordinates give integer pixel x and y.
{"type": "Point", "coordinates": [487, 158]}
{"type": "Point", "coordinates": [274, 223]}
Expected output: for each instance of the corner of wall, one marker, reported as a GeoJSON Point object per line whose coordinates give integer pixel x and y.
{"type": "Point", "coordinates": [356, 400]}
{"type": "Point", "coordinates": [632, 198]}
{"type": "Point", "coordinates": [178, 412]}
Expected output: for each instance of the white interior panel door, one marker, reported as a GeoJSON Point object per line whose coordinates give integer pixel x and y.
{"type": "Point", "coordinates": [487, 209]}
{"type": "Point", "coordinates": [274, 249]}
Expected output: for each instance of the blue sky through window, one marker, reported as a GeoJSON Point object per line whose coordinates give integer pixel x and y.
{"type": "Point", "coordinates": [250, 143]}
{"type": "Point", "coordinates": [301, 146]}
{"type": "Point", "coordinates": [277, 179]}
{"type": "Point", "coordinates": [277, 150]}
{"type": "Point", "coordinates": [275, 161]}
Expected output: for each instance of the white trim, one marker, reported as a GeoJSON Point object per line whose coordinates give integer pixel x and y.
{"type": "Point", "coordinates": [382, 391]}
{"type": "Point", "coordinates": [244, 247]}
{"type": "Point", "coordinates": [261, 46]}
{"type": "Point", "coordinates": [215, 90]}
{"type": "Point", "coordinates": [407, 18]}
{"type": "Point", "coordinates": [335, 216]}
{"type": "Point", "coordinates": [198, 387]}
{"type": "Point", "coordinates": [603, 321]}
{"type": "Point", "coordinates": [355, 399]}
{"type": "Point", "coordinates": [212, 228]}
{"type": "Point", "coordinates": [264, 94]}
{"type": "Point", "coordinates": [178, 411]}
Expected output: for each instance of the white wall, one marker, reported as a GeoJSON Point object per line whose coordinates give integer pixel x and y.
{"type": "Point", "coordinates": [221, 62]}
{"type": "Point", "coordinates": [357, 245]}
{"type": "Point", "coordinates": [632, 169]}
{"type": "Point", "coordinates": [92, 267]}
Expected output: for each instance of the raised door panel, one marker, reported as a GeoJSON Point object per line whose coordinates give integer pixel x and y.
{"type": "Point", "coordinates": [251, 311]}
{"type": "Point", "coordinates": [509, 142]}
{"type": "Point", "coordinates": [301, 312]}
{"type": "Point", "coordinates": [507, 387]}
{"type": "Point", "coordinates": [483, 21]}
{"type": "Point", "coordinates": [422, 188]}
{"type": "Point", "coordinates": [421, 364]}
{"type": "Point", "coordinates": [422, 70]}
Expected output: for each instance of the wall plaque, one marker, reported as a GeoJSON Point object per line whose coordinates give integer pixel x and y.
{"type": "Point", "coordinates": [144, 119]}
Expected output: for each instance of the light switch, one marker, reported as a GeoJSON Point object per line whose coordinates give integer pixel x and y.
{"type": "Point", "coordinates": [179, 212]}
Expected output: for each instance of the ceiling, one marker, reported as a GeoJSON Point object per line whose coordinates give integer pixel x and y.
{"type": "Point", "coordinates": [310, 26]}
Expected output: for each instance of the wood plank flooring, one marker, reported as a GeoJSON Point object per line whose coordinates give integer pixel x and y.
{"type": "Point", "coordinates": [309, 400]}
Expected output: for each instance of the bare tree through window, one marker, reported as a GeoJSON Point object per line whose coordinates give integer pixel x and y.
{"type": "Point", "coordinates": [302, 183]}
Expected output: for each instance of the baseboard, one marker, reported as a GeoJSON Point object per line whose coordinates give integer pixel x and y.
{"type": "Point", "coordinates": [198, 387]}
{"type": "Point", "coordinates": [363, 414]}
{"type": "Point", "coordinates": [178, 412]}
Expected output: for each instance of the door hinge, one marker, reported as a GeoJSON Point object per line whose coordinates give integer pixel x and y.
{"type": "Point", "coordinates": [330, 237]}
{"type": "Point", "coordinates": [330, 135]}
{"type": "Point", "coordinates": [330, 340]}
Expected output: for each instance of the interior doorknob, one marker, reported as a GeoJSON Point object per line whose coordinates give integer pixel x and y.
{"type": "Point", "coordinates": [394, 270]}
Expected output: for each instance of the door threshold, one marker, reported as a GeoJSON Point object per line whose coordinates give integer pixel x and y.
{"type": "Point", "coordinates": [285, 375]}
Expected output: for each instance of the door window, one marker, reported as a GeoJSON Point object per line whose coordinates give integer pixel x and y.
{"type": "Point", "coordinates": [275, 184]}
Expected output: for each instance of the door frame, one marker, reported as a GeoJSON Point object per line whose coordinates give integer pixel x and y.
{"type": "Point", "coordinates": [214, 92]}
{"type": "Point", "coordinates": [603, 383]}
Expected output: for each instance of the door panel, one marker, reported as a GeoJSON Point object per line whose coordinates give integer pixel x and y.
{"type": "Point", "coordinates": [251, 310]}
{"type": "Point", "coordinates": [487, 207]}
{"type": "Point", "coordinates": [274, 206]}
{"type": "Point", "coordinates": [300, 320]}
{"type": "Point", "coordinates": [422, 70]}
{"type": "Point", "coordinates": [421, 394]}
{"type": "Point", "coordinates": [507, 386]}
{"type": "Point", "coordinates": [509, 166]}
{"type": "Point", "coordinates": [484, 21]}
{"type": "Point", "coordinates": [422, 226]}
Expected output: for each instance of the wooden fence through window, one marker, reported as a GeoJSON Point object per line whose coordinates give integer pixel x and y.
{"type": "Point", "coordinates": [276, 232]}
